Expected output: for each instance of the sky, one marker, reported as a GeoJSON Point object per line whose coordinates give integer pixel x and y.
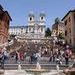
{"type": "Point", "coordinates": [19, 10]}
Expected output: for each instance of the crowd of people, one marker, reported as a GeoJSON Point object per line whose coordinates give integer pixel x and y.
{"type": "Point", "coordinates": [59, 55]}
{"type": "Point", "coordinates": [56, 55]}
{"type": "Point", "coordinates": [5, 56]}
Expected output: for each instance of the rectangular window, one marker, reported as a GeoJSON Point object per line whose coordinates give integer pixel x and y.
{"type": "Point", "coordinates": [70, 41]}
{"type": "Point", "coordinates": [66, 33]}
{"type": "Point", "coordinates": [74, 18]}
{"type": "Point", "coordinates": [32, 30]}
{"type": "Point", "coordinates": [66, 22]}
{"type": "Point", "coordinates": [74, 24]}
{"type": "Point", "coordinates": [41, 29]}
{"type": "Point", "coordinates": [29, 29]}
{"type": "Point", "coordinates": [69, 19]}
{"type": "Point", "coordinates": [26, 31]}
{"type": "Point", "coordinates": [1, 17]}
{"type": "Point", "coordinates": [69, 30]}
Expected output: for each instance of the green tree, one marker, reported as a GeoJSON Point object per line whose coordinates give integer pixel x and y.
{"type": "Point", "coordinates": [47, 32]}
{"type": "Point", "coordinates": [61, 36]}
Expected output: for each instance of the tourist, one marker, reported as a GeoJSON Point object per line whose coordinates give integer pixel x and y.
{"type": "Point", "coordinates": [51, 56]}
{"type": "Point", "coordinates": [21, 54]}
{"type": "Point", "coordinates": [38, 56]}
{"type": "Point", "coordinates": [33, 58]}
{"type": "Point", "coordinates": [66, 58]}
{"type": "Point", "coordinates": [2, 59]}
{"type": "Point", "coordinates": [16, 56]}
{"type": "Point", "coordinates": [25, 55]}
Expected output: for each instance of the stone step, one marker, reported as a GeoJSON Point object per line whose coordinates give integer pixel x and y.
{"type": "Point", "coordinates": [32, 66]}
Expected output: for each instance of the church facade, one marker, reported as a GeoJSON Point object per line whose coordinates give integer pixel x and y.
{"type": "Point", "coordinates": [34, 29]}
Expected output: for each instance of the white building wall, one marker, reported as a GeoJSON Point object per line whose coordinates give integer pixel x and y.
{"type": "Point", "coordinates": [35, 29]}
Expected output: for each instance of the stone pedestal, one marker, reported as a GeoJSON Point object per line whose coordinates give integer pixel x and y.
{"type": "Point", "coordinates": [1, 72]}
{"type": "Point", "coordinates": [36, 71]}
{"type": "Point", "coordinates": [70, 72]}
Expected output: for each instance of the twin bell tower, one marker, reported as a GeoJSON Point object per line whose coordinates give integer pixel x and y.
{"type": "Point", "coordinates": [33, 21]}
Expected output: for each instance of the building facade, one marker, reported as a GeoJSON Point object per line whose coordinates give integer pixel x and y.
{"type": "Point", "coordinates": [4, 25]}
{"type": "Point", "coordinates": [34, 29]}
{"type": "Point", "coordinates": [58, 28]}
{"type": "Point", "coordinates": [69, 21]}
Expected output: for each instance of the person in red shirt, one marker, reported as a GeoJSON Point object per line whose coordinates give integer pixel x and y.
{"type": "Point", "coordinates": [21, 56]}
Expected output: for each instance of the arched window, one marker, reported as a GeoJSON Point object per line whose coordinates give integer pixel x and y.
{"type": "Point", "coordinates": [42, 18]}
{"type": "Point", "coordinates": [30, 18]}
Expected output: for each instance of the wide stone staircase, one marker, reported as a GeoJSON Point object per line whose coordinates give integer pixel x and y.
{"type": "Point", "coordinates": [33, 66]}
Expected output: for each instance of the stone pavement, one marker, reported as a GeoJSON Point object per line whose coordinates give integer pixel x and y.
{"type": "Point", "coordinates": [14, 72]}
{"type": "Point", "coordinates": [23, 72]}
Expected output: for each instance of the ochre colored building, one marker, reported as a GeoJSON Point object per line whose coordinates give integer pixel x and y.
{"type": "Point", "coordinates": [4, 25]}
{"type": "Point", "coordinates": [58, 28]}
{"type": "Point", "coordinates": [69, 21]}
